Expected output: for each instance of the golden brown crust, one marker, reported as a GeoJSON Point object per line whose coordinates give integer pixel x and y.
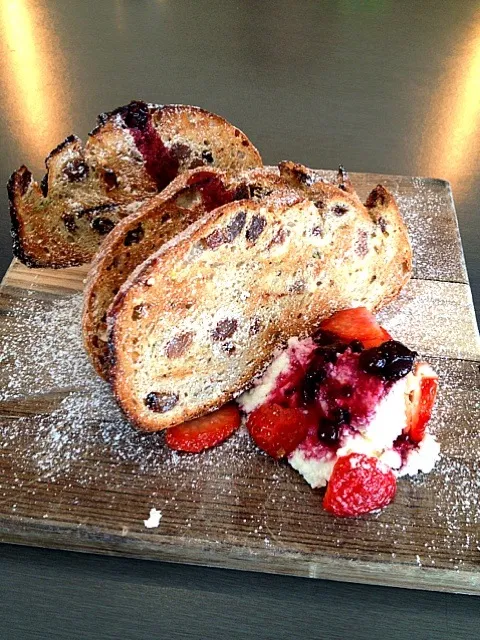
{"type": "Point", "coordinates": [133, 153]}
{"type": "Point", "coordinates": [218, 298]}
{"type": "Point", "coordinates": [310, 181]}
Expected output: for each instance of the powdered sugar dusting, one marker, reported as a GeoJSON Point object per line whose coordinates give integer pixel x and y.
{"type": "Point", "coordinates": [44, 366]}
{"type": "Point", "coordinates": [437, 251]}
{"type": "Point", "coordinates": [435, 318]}
{"type": "Point", "coordinates": [41, 348]}
{"type": "Point", "coordinates": [81, 419]}
{"type": "Point", "coordinates": [458, 508]}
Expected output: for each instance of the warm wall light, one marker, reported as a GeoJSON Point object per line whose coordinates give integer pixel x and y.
{"type": "Point", "coordinates": [452, 136]}
{"type": "Point", "coordinates": [34, 91]}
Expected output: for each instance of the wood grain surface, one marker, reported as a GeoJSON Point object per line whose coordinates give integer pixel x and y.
{"type": "Point", "coordinates": [74, 476]}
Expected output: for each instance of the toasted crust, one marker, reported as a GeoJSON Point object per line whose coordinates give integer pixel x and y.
{"type": "Point", "coordinates": [132, 154]}
{"type": "Point", "coordinates": [306, 179]}
{"type": "Point", "coordinates": [139, 235]}
{"type": "Point", "coordinates": [197, 320]}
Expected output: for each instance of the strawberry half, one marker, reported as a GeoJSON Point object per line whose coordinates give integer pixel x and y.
{"type": "Point", "coordinates": [359, 484]}
{"type": "Point", "coordinates": [356, 324]}
{"type": "Point", "coordinates": [205, 432]}
{"type": "Point", "coordinates": [421, 393]}
{"type": "Point", "coordinates": [278, 430]}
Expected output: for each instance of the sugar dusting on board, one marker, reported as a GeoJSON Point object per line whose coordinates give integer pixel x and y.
{"type": "Point", "coordinates": [44, 350]}
{"type": "Point", "coordinates": [81, 446]}
{"type": "Point", "coordinates": [50, 369]}
{"type": "Point", "coordinates": [430, 259]}
{"type": "Point", "coordinates": [422, 318]}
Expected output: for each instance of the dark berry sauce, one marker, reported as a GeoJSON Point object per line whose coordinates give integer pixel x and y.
{"type": "Point", "coordinates": [161, 163]}
{"type": "Point", "coordinates": [345, 390]}
{"type": "Point", "coordinates": [403, 445]}
{"type": "Point", "coordinates": [289, 386]}
{"type": "Point", "coordinates": [215, 194]}
{"type": "Point", "coordinates": [391, 360]}
{"type": "Point", "coordinates": [332, 381]}
{"type": "Point", "coordinates": [329, 428]}
{"type": "Point", "coordinates": [214, 191]}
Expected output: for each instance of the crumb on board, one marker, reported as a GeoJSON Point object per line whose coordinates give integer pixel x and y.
{"type": "Point", "coordinates": [153, 520]}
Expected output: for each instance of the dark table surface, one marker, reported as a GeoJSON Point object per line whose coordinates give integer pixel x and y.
{"type": "Point", "coordinates": [377, 85]}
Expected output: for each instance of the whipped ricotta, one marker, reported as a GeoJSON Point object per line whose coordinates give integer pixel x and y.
{"type": "Point", "coordinates": [314, 460]}
{"type": "Point", "coordinates": [315, 463]}
{"type": "Point", "coordinates": [387, 423]}
{"type": "Point", "coordinates": [422, 458]}
{"type": "Point", "coordinates": [263, 387]}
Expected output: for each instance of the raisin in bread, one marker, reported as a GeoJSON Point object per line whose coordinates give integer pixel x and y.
{"type": "Point", "coordinates": [202, 316]}
{"type": "Point", "coordinates": [134, 152]}
{"type": "Point", "coordinates": [160, 218]}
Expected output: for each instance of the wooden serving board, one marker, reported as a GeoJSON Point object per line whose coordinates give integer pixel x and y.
{"type": "Point", "coordinates": [74, 475]}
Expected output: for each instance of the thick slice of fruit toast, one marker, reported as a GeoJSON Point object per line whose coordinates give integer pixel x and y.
{"type": "Point", "coordinates": [134, 152]}
{"type": "Point", "coordinates": [159, 219]}
{"type": "Point", "coordinates": [203, 315]}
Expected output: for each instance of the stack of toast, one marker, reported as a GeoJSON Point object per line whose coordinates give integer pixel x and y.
{"type": "Point", "coordinates": [203, 261]}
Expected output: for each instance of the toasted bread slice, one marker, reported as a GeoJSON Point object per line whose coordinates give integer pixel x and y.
{"type": "Point", "coordinates": [202, 316]}
{"type": "Point", "coordinates": [159, 219]}
{"type": "Point", "coordinates": [133, 153]}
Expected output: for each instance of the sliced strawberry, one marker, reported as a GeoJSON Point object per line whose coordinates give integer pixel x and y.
{"type": "Point", "coordinates": [356, 324]}
{"type": "Point", "coordinates": [278, 430]}
{"type": "Point", "coordinates": [359, 484]}
{"type": "Point", "coordinates": [421, 393]}
{"type": "Point", "coordinates": [204, 432]}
